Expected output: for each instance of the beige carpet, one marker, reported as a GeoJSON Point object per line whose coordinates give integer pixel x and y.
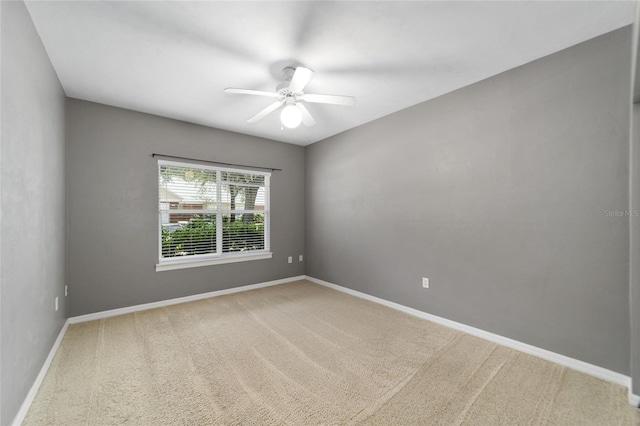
{"type": "Point", "coordinates": [303, 354]}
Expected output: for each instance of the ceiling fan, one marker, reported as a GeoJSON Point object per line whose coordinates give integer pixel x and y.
{"type": "Point", "coordinates": [291, 96]}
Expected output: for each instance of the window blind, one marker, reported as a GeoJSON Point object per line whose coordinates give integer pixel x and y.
{"type": "Point", "coordinates": [208, 211]}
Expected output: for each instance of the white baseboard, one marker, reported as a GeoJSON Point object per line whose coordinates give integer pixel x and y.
{"type": "Point", "coordinates": [22, 412]}
{"type": "Point", "coordinates": [169, 302]}
{"type": "Point", "coordinates": [575, 364]}
{"type": "Point", "coordinates": [633, 398]}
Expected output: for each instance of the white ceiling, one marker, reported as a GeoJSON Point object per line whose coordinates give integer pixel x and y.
{"type": "Point", "coordinates": [174, 58]}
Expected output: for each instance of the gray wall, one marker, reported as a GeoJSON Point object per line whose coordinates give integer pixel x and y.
{"type": "Point", "coordinates": [113, 190]}
{"type": "Point", "coordinates": [33, 207]}
{"type": "Point", "coordinates": [496, 192]}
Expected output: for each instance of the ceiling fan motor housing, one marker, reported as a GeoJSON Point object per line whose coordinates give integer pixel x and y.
{"type": "Point", "coordinates": [287, 73]}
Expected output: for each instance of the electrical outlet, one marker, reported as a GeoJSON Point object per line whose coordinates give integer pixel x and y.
{"type": "Point", "coordinates": [425, 282]}
{"type": "Point", "coordinates": [56, 303]}
{"type": "Point", "coordinates": [300, 258]}
{"type": "Point", "coordinates": [290, 260]}
{"type": "Point", "coordinates": [66, 290]}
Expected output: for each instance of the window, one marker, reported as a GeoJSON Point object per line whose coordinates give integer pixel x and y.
{"type": "Point", "coordinates": [210, 215]}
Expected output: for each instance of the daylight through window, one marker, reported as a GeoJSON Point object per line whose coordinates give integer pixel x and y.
{"type": "Point", "coordinates": [209, 213]}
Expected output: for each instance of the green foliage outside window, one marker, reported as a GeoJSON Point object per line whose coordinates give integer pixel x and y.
{"type": "Point", "coordinates": [198, 236]}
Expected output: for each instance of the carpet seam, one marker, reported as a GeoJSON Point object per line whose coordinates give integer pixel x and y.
{"type": "Point", "coordinates": [371, 410]}
{"type": "Point", "coordinates": [99, 353]}
{"type": "Point", "coordinates": [543, 412]}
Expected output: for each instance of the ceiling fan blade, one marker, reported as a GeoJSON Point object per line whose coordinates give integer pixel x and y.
{"type": "Point", "coordinates": [330, 99]}
{"type": "Point", "coordinates": [300, 79]}
{"type": "Point", "coordinates": [251, 92]}
{"type": "Point", "coordinates": [307, 119]}
{"type": "Point", "coordinates": [274, 106]}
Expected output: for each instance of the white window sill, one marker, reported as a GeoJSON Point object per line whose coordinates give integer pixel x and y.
{"type": "Point", "coordinates": [191, 263]}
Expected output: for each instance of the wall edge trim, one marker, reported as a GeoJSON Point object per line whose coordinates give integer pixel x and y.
{"type": "Point", "coordinates": [633, 398]}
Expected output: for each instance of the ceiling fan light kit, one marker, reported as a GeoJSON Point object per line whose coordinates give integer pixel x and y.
{"type": "Point", "coordinates": [290, 116]}
{"type": "Point", "coordinates": [292, 96]}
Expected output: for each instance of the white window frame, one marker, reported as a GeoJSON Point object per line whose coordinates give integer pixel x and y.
{"type": "Point", "coordinates": [192, 261]}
